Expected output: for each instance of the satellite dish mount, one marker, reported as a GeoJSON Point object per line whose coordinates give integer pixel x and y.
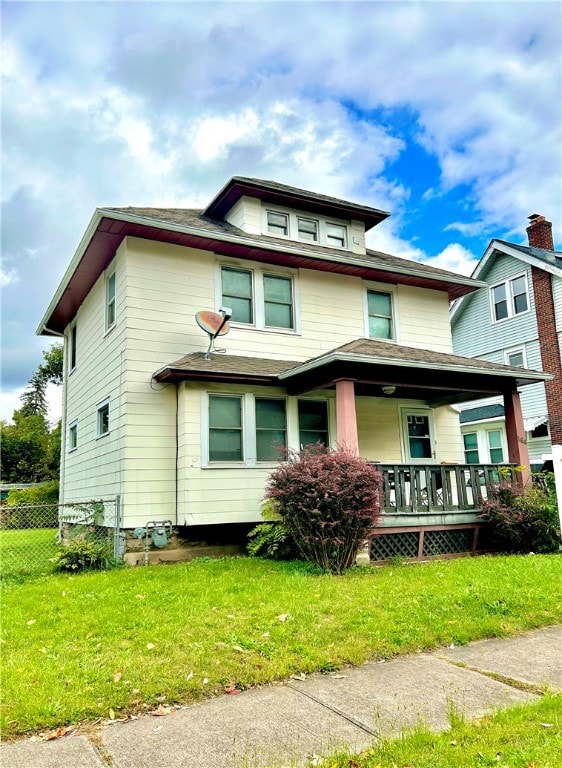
{"type": "Point", "coordinates": [214, 324]}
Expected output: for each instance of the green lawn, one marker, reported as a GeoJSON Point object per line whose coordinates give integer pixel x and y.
{"type": "Point", "coordinates": [526, 736]}
{"type": "Point", "coordinates": [27, 553]}
{"type": "Point", "coordinates": [76, 647]}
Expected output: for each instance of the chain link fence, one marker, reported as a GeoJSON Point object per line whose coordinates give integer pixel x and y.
{"type": "Point", "coordinates": [32, 534]}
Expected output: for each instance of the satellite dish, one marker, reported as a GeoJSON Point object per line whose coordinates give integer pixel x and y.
{"type": "Point", "coordinates": [212, 323]}
{"type": "Point", "coordinates": [215, 324]}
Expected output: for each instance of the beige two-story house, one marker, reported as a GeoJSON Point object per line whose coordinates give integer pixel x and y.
{"type": "Point", "coordinates": [328, 341]}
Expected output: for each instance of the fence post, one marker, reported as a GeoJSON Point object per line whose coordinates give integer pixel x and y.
{"type": "Point", "coordinates": [117, 529]}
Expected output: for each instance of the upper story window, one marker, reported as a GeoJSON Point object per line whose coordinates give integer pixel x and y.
{"type": "Point", "coordinates": [307, 229]}
{"type": "Point", "coordinates": [110, 314]}
{"type": "Point", "coordinates": [259, 298]}
{"type": "Point", "coordinates": [495, 448]}
{"type": "Point", "coordinates": [73, 436]}
{"type": "Point", "coordinates": [509, 298]}
{"type": "Point", "coordinates": [238, 294]}
{"type": "Point", "coordinates": [102, 418]}
{"type": "Point", "coordinates": [336, 234]}
{"type": "Point", "coordinates": [278, 223]}
{"type": "Point", "coordinates": [292, 225]}
{"type": "Point", "coordinates": [379, 309]}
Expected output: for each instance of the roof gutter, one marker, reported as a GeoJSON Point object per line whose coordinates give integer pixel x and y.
{"type": "Point", "coordinates": [289, 248]}
{"type": "Point", "coordinates": [355, 358]}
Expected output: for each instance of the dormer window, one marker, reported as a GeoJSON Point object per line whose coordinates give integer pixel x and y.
{"type": "Point", "coordinates": [307, 229]}
{"type": "Point", "coordinates": [278, 223]}
{"type": "Point", "coordinates": [336, 235]}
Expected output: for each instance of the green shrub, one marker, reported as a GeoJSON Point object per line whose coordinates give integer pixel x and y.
{"type": "Point", "coordinates": [35, 507]}
{"type": "Point", "coordinates": [84, 555]}
{"type": "Point", "coordinates": [523, 519]}
{"type": "Point", "coordinates": [271, 540]}
{"type": "Point", "coordinates": [329, 503]}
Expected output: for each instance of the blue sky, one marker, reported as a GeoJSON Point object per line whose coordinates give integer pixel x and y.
{"type": "Point", "coordinates": [446, 114]}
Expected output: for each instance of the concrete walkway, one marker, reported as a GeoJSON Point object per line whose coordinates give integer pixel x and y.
{"type": "Point", "coordinates": [286, 724]}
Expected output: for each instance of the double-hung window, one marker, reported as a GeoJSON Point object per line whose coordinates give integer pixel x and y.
{"type": "Point", "coordinates": [246, 429]}
{"type": "Point", "coordinates": [278, 223]}
{"type": "Point", "coordinates": [110, 314]}
{"type": "Point", "coordinates": [278, 301]}
{"type": "Point", "coordinates": [471, 455]}
{"type": "Point", "coordinates": [238, 294]}
{"type": "Point", "coordinates": [225, 428]}
{"type": "Point", "coordinates": [509, 298]}
{"type": "Point", "coordinates": [307, 229]}
{"type": "Point", "coordinates": [379, 309]}
{"type": "Point", "coordinates": [271, 429]}
{"type": "Point", "coordinates": [336, 235]}
{"type": "Point", "coordinates": [258, 298]}
{"type": "Point", "coordinates": [495, 449]}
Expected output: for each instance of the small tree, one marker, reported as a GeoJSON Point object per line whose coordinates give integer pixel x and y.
{"type": "Point", "coordinates": [329, 502]}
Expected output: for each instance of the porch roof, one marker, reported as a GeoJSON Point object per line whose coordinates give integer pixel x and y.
{"type": "Point", "coordinates": [436, 377]}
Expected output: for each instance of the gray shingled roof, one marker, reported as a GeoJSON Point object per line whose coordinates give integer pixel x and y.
{"type": "Point", "coordinates": [188, 217]}
{"type": "Point", "coordinates": [493, 411]}
{"type": "Point", "coordinates": [542, 254]}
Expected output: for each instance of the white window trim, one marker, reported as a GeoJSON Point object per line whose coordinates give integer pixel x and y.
{"type": "Point", "coordinates": [110, 326]}
{"type": "Point", "coordinates": [258, 271]}
{"type": "Point", "coordinates": [514, 351]}
{"type": "Point", "coordinates": [509, 298]}
{"type": "Point", "coordinates": [382, 288]}
{"type": "Point", "coordinates": [249, 448]}
{"type": "Point", "coordinates": [482, 429]}
{"type": "Point", "coordinates": [99, 407]}
{"type": "Point", "coordinates": [404, 413]}
{"type": "Point", "coordinates": [293, 228]}
{"type": "Point", "coordinates": [72, 425]}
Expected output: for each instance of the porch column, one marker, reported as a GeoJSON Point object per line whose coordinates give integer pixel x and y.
{"type": "Point", "coordinates": [346, 417]}
{"type": "Point", "coordinates": [515, 432]}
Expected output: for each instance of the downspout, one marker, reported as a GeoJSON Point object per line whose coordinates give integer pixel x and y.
{"type": "Point", "coordinates": [177, 449]}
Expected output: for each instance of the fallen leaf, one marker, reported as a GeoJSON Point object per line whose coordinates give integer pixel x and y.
{"type": "Point", "coordinates": [300, 676]}
{"type": "Point", "coordinates": [111, 714]}
{"type": "Point", "coordinates": [453, 743]}
{"type": "Point", "coordinates": [150, 646]}
{"type": "Point", "coordinates": [230, 616]}
{"type": "Point", "coordinates": [239, 649]}
{"type": "Point", "coordinates": [339, 677]}
{"type": "Point", "coordinates": [188, 677]}
{"type": "Point", "coordinates": [161, 710]}
{"type": "Point", "coordinates": [117, 676]}
{"type": "Point", "coordinates": [30, 622]}
{"type": "Point", "coordinates": [265, 634]}
{"type": "Point", "coordinates": [205, 680]}
{"type": "Point", "coordinates": [547, 725]}
{"type": "Point", "coordinates": [283, 617]}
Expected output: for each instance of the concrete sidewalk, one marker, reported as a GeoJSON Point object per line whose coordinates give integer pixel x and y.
{"type": "Point", "coordinates": [286, 724]}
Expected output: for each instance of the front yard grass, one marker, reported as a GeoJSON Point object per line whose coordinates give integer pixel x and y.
{"type": "Point", "coordinates": [524, 736]}
{"type": "Point", "coordinates": [106, 644]}
{"type": "Point", "coordinates": [27, 553]}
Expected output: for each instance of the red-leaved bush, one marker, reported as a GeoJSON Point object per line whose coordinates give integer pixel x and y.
{"type": "Point", "coordinates": [329, 502]}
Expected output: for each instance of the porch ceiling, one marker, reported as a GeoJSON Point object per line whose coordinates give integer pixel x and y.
{"type": "Point", "coordinates": [419, 374]}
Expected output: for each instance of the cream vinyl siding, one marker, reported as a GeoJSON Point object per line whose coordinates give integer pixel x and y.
{"type": "Point", "coordinates": [246, 215]}
{"type": "Point", "coordinates": [424, 319]}
{"type": "Point", "coordinates": [93, 470]}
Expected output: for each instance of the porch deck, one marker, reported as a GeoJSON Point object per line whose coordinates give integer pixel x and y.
{"type": "Point", "coordinates": [432, 510]}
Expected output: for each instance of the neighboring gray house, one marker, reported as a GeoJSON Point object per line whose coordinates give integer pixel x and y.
{"type": "Point", "coordinates": [517, 321]}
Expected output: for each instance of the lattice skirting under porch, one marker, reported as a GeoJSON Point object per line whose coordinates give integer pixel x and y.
{"type": "Point", "coordinates": [426, 542]}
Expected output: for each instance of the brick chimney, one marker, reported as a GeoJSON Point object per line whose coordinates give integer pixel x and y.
{"type": "Point", "coordinates": [539, 232]}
